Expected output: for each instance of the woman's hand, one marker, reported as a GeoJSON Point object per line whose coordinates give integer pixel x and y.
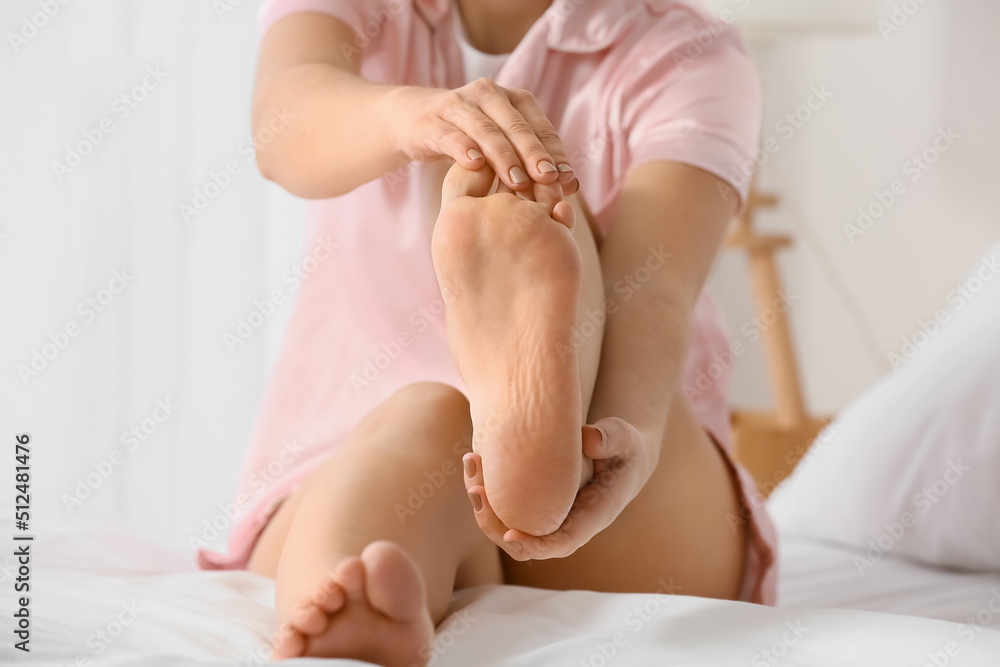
{"type": "Point", "coordinates": [483, 123]}
{"type": "Point", "coordinates": [624, 459]}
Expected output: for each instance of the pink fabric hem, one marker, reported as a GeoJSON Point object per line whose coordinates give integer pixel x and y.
{"type": "Point", "coordinates": [247, 530]}
{"type": "Point", "coordinates": [760, 572]}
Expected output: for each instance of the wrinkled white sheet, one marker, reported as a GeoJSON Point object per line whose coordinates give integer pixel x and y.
{"type": "Point", "coordinates": [86, 585]}
{"type": "Point", "coordinates": [818, 574]}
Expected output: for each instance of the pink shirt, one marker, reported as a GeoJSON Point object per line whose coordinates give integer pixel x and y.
{"type": "Point", "coordinates": [624, 82]}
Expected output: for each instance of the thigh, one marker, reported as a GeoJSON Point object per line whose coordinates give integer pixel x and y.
{"type": "Point", "coordinates": [397, 476]}
{"type": "Point", "coordinates": [677, 531]}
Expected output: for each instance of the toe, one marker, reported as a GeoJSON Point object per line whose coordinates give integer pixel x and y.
{"type": "Point", "coordinates": [394, 584]}
{"type": "Point", "coordinates": [564, 214]}
{"type": "Point", "coordinates": [330, 596]}
{"type": "Point", "coordinates": [548, 195]}
{"type": "Point", "coordinates": [351, 576]}
{"type": "Point", "coordinates": [291, 645]}
{"type": "Point", "coordinates": [310, 619]}
{"type": "Point", "coordinates": [462, 182]}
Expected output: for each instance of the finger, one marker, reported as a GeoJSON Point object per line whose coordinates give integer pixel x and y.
{"type": "Point", "coordinates": [538, 164]}
{"type": "Point", "coordinates": [486, 132]}
{"type": "Point", "coordinates": [462, 182]}
{"type": "Point", "coordinates": [528, 106]}
{"type": "Point", "coordinates": [502, 187]}
{"type": "Point", "coordinates": [597, 506]}
{"type": "Point", "coordinates": [490, 523]}
{"type": "Point", "coordinates": [618, 438]}
{"type": "Point", "coordinates": [571, 187]}
{"type": "Point", "coordinates": [472, 469]}
{"type": "Point", "coordinates": [456, 144]}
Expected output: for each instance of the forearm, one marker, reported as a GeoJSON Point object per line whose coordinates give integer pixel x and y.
{"type": "Point", "coordinates": [645, 342]}
{"type": "Point", "coordinates": [335, 138]}
{"type": "Point", "coordinates": [655, 260]}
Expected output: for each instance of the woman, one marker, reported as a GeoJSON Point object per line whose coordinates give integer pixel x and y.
{"type": "Point", "coordinates": [539, 437]}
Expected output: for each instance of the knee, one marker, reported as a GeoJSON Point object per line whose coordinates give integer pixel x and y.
{"type": "Point", "coordinates": [433, 412]}
{"type": "Point", "coordinates": [436, 398]}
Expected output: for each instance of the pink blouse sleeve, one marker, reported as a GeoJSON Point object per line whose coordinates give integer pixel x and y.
{"type": "Point", "coordinates": [698, 101]}
{"type": "Point", "coordinates": [354, 13]}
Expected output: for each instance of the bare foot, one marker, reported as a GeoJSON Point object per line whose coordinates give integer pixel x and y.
{"type": "Point", "coordinates": [374, 608]}
{"type": "Point", "coordinates": [514, 271]}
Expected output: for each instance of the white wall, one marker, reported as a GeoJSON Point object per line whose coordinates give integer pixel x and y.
{"type": "Point", "coordinates": [162, 335]}
{"type": "Point", "coordinates": [858, 300]}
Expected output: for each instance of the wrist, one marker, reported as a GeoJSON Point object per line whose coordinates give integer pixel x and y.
{"type": "Point", "coordinates": [398, 107]}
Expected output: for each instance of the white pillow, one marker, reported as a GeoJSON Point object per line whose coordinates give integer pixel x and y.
{"type": "Point", "coordinates": [912, 467]}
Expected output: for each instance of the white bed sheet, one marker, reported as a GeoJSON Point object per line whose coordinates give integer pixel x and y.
{"type": "Point", "coordinates": [816, 574]}
{"type": "Point", "coordinates": [87, 582]}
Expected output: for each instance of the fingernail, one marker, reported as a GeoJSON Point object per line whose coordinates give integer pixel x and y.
{"type": "Point", "coordinates": [517, 175]}
{"type": "Point", "coordinates": [565, 167]}
{"type": "Point", "coordinates": [546, 167]}
{"type": "Point", "coordinates": [474, 154]}
{"type": "Point", "coordinates": [477, 502]}
{"type": "Point", "coordinates": [470, 467]}
{"type": "Point", "coordinates": [516, 546]}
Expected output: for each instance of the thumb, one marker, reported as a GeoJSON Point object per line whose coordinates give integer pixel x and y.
{"type": "Point", "coordinates": [607, 438]}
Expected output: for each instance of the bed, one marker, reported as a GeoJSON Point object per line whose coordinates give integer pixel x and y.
{"type": "Point", "coordinates": [103, 597]}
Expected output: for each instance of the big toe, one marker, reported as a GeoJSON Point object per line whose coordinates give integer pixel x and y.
{"type": "Point", "coordinates": [394, 584]}
{"type": "Point", "coordinates": [462, 182]}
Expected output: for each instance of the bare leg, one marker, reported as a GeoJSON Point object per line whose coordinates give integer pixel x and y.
{"type": "Point", "coordinates": [676, 528]}
{"type": "Point", "coordinates": [383, 606]}
{"type": "Point", "coordinates": [518, 276]}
